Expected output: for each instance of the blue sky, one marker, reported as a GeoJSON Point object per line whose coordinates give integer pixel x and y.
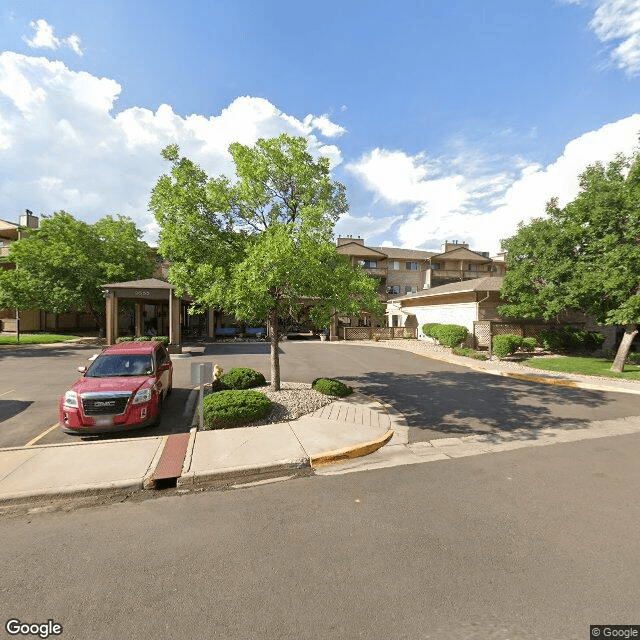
{"type": "Point", "coordinates": [444, 120]}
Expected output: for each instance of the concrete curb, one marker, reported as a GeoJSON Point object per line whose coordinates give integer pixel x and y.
{"type": "Point", "coordinates": [111, 489]}
{"type": "Point", "coordinates": [355, 451]}
{"type": "Point", "coordinates": [235, 476]}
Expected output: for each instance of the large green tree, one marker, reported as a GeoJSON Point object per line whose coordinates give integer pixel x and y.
{"type": "Point", "coordinates": [62, 265]}
{"type": "Point", "coordinates": [584, 256]}
{"type": "Point", "coordinates": [261, 246]}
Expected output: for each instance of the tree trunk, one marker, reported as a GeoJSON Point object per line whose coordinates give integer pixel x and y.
{"type": "Point", "coordinates": [630, 332]}
{"type": "Point", "coordinates": [274, 336]}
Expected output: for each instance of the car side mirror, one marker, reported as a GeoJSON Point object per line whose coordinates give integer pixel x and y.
{"type": "Point", "coordinates": [164, 367]}
{"type": "Point", "coordinates": [82, 369]}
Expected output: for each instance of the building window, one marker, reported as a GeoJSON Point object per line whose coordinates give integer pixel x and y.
{"type": "Point", "coordinates": [472, 267]}
{"type": "Point", "coordinates": [411, 266]}
{"type": "Point", "coordinates": [408, 289]}
{"type": "Point", "coordinates": [395, 321]}
{"type": "Point", "coordinates": [368, 264]}
{"type": "Point", "coordinates": [436, 265]}
{"type": "Point", "coordinates": [394, 264]}
{"type": "Point", "coordinates": [393, 289]}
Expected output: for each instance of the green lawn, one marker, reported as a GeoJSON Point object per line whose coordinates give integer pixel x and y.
{"type": "Point", "coordinates": [586, 366]}
{"type": "Point", "coordinates": [36, 338]}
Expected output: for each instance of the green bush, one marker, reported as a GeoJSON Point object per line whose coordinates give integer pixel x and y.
{"type": "Point", "coordinates": [529, 344]}
{"type": "Point", "coordinates": [331, 387]}
{"type": "Point", "coordinates": [568, 338]}
{"type": "Point", "coordinates": [233, 408]}
{"type": "Point", "coordinates": [242, 378]}
{"type": "Point", "coordinates": [124, 339]}
{"type": "Point", "coordinates": [633, 357]}
{"type": "Point", "coordinates": [143, 339]}
{"type": "Point", "coordinates": [163, 339]}
{"type": "Point", "coordinates": [506, 345]}
{"type": "Point", "coordinates": [450, 335]}
{"type": "Point", "coordinates": [469, 353]}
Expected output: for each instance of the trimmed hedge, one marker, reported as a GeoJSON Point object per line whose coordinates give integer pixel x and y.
{"type": "Point", "coordinates": [233, 408]}
{"type": "Point", "coordinates": [331, 387]}
{"type": "Point", "coordinates": [242, 378]}
{"type": "Point", "coordinates": [450, 335]}
{"type": "Point", "coordinates": [509, 343]}
{"type": "Point", "coordinates": [567, 338]}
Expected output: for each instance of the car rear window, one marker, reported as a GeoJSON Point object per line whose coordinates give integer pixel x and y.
{"type": "Point", "coordinates": [109, 366]}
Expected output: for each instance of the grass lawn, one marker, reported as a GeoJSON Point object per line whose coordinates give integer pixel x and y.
{"type": "Point", "coordinates": [586, 366]}
{"type": "Point", "coordinates": [36, 338]}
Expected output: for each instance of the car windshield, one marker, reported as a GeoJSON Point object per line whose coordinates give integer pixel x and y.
{"type": "Point", "coordinates": [108, 366]}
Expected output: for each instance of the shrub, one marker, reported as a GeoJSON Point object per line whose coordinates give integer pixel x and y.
{"type": "Point", "coordinates": [469, 353]}
{"type": "Point", "coordinates": [233, 408]}
{"type": "Point", "coordinates": [124, 339]}
{"type": "Point", "coordinates": [529, 344]}
{"type": "Point", "coordinates": [163, 339]}
{"type": "Point", "coordinates": [242, 378]}
{"type": "Point", "coordinates": [506, 344]}
{"type": "Point", "coordinates": [143, 339]}
{"type": "Point", "coordinates": [568, 338]}
{"type": "Point", "coordinates": [450, 335]}
{"type": "Point", "coordinates": [633, 357]}
{"type": "Point", "coordinates": [331, 387]}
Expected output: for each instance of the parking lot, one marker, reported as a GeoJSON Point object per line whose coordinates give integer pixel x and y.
{"type": "Point", "coordinates": [438, 399]}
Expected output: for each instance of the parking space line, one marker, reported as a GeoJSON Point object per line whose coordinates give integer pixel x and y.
{"type": "Point", "coordinates": [42, 435]}
{"type": "Point", "coordinates": [7, 392]}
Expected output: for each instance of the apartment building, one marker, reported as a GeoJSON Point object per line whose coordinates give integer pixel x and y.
{"type": "Point", "coordinates": [10, 232]}
{"type": "Point", "coordinates": [409, 271]}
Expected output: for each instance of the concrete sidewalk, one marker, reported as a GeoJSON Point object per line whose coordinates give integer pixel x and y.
{"type": "Point", "coordinates": [341, 430]}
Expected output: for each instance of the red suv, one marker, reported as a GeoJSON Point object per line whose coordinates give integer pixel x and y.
{"type": "Point", "coordinates": [124, 388]}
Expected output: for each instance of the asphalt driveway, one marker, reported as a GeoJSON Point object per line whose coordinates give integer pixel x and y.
{"type": "Point", "coordinates": [438, 399]}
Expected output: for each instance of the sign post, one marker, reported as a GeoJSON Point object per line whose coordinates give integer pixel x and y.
{"type": "Point", "coordinates": [201, 373]}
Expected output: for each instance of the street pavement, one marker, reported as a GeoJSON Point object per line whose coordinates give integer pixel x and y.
{"type": "Point", "coordinates": [496, 419]}
{"type": "Point", "coordinates": [530, 544]}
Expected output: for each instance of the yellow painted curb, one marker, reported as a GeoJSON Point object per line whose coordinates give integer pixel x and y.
{"type": "Point", "coordinates": [356, 451]}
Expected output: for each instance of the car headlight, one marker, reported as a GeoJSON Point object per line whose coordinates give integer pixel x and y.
{"type": "Point", "coordinates": [144, 395]}
{"type": "Point", "coordinates": [71, 399]}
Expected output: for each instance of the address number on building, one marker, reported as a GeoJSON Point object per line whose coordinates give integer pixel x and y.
{"type": "Point", "coordinates": [142, 293]}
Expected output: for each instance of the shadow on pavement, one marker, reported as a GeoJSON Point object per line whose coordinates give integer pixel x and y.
{"type": "Point", "coordinates": [10, 408]}
{"type": "Point", "coordinates": [440, 404]}
{"type": "Point", "coordinates": [234, 348]}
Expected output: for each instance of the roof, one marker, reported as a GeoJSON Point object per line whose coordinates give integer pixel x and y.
{"type": "Point", "coordinates": [489, 283]}
{"type": "Point", "coordinates": [357, 249]}
{"type": "Point", "coordinates": [409, 254]}
{"type": "Point", "coordinates": [462, 254]}
{"type": "Point", "coordinates": [146, 346]}
{"type": "Point", "coordinates": [148, 283]}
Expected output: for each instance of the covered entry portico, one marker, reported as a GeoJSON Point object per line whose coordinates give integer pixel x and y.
{"type": "Point", "coordinates": [143, 292]}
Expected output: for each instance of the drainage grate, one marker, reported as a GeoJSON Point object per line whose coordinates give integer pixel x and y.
{"type": "Point", "coordinates": [171, 460]}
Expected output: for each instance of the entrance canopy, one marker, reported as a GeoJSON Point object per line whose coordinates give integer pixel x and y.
{"type": "Point", "coordinates": [141, 292]}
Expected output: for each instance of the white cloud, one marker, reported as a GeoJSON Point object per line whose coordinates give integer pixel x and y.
{"type": "Point", "coordinates": [324, 125]}
{"type": "Point", "coordinates": [63, 145]}
{"type": "Point", "coordinates": [447, 199]}
{"type": "Point", "coordinates": [45, 38]}
{"type": "Point", "coordinates": [617, 23]}
{"type": "Point", "coordinates": [367, 226]}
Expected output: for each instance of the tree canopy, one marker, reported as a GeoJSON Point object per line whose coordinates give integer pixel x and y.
{"type": "Point", "coordinates": [584, 256]}
{"type": "Point", "coordinates": [260, 247]}
{"type": "Point", "coordinates": [62, 265]}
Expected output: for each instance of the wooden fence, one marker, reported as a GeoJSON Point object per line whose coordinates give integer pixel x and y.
{"type": "Point", "coordinates": [383, 333]}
